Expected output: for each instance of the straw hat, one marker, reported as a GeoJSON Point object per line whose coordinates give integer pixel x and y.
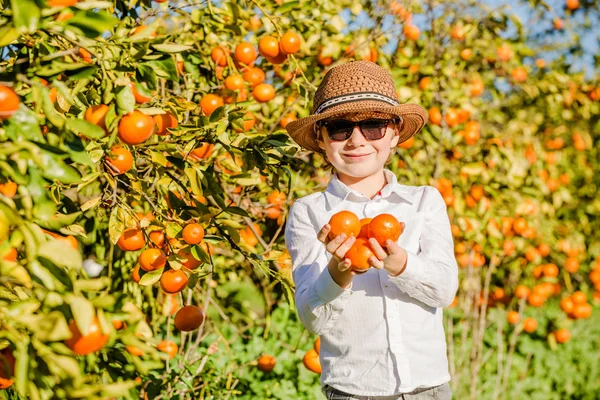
{"type": "Point", "coordinates": [357, 87]}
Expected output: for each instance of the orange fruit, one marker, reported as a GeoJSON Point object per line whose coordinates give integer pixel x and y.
{"type": "Point", "coordinates": [530, 325]}
{"type": "Point", "coordinates": [11, 255]}
{"type": "Point", "coordinates": [7, 368]}
{"type": "Point", "coordinates": [118, 324]}
{"type": "Point", "coordinates": [317, 345]}
{"type": "Point", "coordinates": [135, 128]}
{"type": "Point", "coordinates": [165, 121]}
{"type": "Point", "coordinates": [550, 270]}
{"type": "Point", "coordinates": [359, 255]}
{"type": "Point", "coordinates": [582, 311]}
{"type": "Point", "coordinates": [344, 222]}
{"type": "Point", "coordinates": [142, 29]}
{"type": "Point", "coordinates": [411, 32]}
{"type": "Point", "coordinates": [384, 227]}
{"type": "Point", "coordinates": [62, 3]}
{"type": "Point", "coordinates": [276, 198]}
{"type": "Point", "coordinates": [268, 46]}
{"type": "Point", "coordinates": [263, 92]}
{"type": "Point", "coordinates": [8, 189]}
{"type": "Point", "coordinates": [522, 291]}
{"type": "Point", "coordinates": [173, 281]}
{"type": "Point", "coordinates": [290, 43]}
{"type": "Point", "coordinates": [558, 23]}
{"type": "Point", "coordinates": [131, 239]}
{"type": "Point", "coordinates": [254, 76]}
{"type": "Point", "coordinates": [152, 259]}
{"type": "Point", "coordinates": [567, 305]}
{"type": "Point", "coordinates": [435, 116]}
{"type": "Point", "coordinates": [169, 347]}
{"type": "Point", "coordinates": [202, 152]}
{"type": "Point", "coordinates": [97, 115]}
{"type": "Point", "coordinates": [193, 233]}
{"type": "Point", "coordinates": [519, 74]}
{"type": "Point", "coordinates": [543, 249]}
{"type": "Point", "coordinates": [210, 103]}
{"type": "Point", "coordinates": [571, 265]}
{"type": "Point", "coordinates": [189, 261]}
{"type": "Point", "coordinates": [519, 225]}
{"type": "Point", "coordinates": [280, 59]}
{"type": "Point", "coordinates": [562, 335]}
{"type": "Point", "coordinates": [513, 317]}
{"type": "Point", "coordinates": [219, 56]}
{"type": "Point", "coordinates": [189, 318]}
{"type": "Point", "coordinates": [466, 54]}
{"type": "Point", "coordinates": [234, 82]}
{"type": "Point", "coordinates": [91, 342]}
{"type": "Point", "coordinates": [572, 4]}
{"type": "Point", "coordinates": [245, 53]}
{"type": "Point", "coordinates": [135, 274]}
{"type": "Point", "coordinates": [9, 102]}
{"type": "Point", "coordinates": [579, 297]}
{"type": "Point", "coordinates": [324, 60]}
{"type": "Point", "coordinates": [134, 351]}
{"type": "Point", "coordinates": [120, 159]}
{"type": "Point", "coordinates": [311, 361]}
{"type": "Point", "coordinates": [158, 238]}
{"type": "Point", "coordinates": [266, 363]}
{"type": "Point", "coordinates": [408, 143]}
{"type": "Point", "coordinates": [139, 98]}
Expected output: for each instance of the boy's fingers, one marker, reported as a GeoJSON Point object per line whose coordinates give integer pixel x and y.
{"type": "Point", "coordinates": [392, 247]}
{"type": "Point", "coordinates": [375, 262]}
{"type": "Point", "coordinates": [344, 265]}
{"type": "Point", "coordinates": [322, 235]}
{"type": "Point", "coordinates": [334, 244]}
{"type": "Point", "coordinates": [377, 249]}
{"type": "Point", "coordinates": [341, 251]}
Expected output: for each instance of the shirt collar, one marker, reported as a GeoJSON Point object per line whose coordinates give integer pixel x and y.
{"type": "Point", "coordinates": [337, 191]}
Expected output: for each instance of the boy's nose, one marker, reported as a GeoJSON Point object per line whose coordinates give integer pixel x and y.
{"type": "Point", "coordinates": [357, 137]}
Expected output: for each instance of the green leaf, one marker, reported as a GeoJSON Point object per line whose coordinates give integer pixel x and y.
{"type": "Point", "coordinates": [24, 125]}
{"type": "Point", "coordinates": [60, 254]}
{"type": "Point", "coordinates": [125, 100]}
{"type": "Point", "coordinates": [8, 34]}
{"type": "Point", "coordinates": [59, 221]}
{"type": "Point", "coordinates": [26, 15]}
{"type": "Point", "coordinates": [93, 23]}
{"type": "Point", "coordinates": [287, 7]}
{"type": "Point", "coordinates": [83, 311]}
{"type": "Point", "coordinates": [172, 47]}
{"type": "Point", "coordinates": [56, 169]}
{"type": "Point", "coordinates": [152, 277]}
{"type": "Point", "coordinates": [236, 210]}
{"type": "Point", "coordinates": [85, 128]}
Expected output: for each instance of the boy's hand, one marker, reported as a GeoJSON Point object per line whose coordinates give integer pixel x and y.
{"type": "Point", "coordinates": [342, 274]}
{"type": "Point", "coordinates": [392, 259]}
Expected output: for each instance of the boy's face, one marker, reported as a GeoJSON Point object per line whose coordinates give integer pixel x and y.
{"type": "Point", "coordinates": [358, 157]}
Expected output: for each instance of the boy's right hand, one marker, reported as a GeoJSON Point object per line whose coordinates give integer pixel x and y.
{"type": "Point", "coordinates": [338, 247]}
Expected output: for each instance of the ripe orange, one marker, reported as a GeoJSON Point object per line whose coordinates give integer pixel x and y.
{"type": "Point", "coordinates": [158, 238]}
{"type": "Point", "coordinates": [324, 60]}
{"type": "Point", "coordinates": [435, 116]}
{"type": "Point", "coordinates": [550, 270]}
{"type": "Point", "coordinates": [504, 52]}
{"type": "Point", "coordinates": [165, 121]}
{"type": "Point", "coordinates": [142, 29]}
{"type": "Point", "coordinates": [519, 74]}
{"type": "Point", "coordinates": [139, 98]}
{"type": "Point", "coordinates": [8, 189]}
{"type": "Point", "coordinates": [62, 3]}
{"type": "Point", "coordinates": [97, 115]}
{"type": "Point", "coordinates": [451, 117]}
{"type": "Point", "coordinates": [131, 239]}
{"type": "Point", "coordinates": [407, 144]}
{"type": "Point", "coordinates": [193, 233]}
{"type": "Point", "coordinates": [558, 23]}
{"type": "Point", "coordinates": [581, 311]}
{"type": "Point", "coordinates": [134, 351]}
{"type": "Point", "coordinates": [344, 222]}
{"type": "Point", "coordinates": [266, 363]}
{"type": "Point", "coordinates": [311, 361]}
{"type": "Point", "coordinates": [572, 265]}
{"type": "Point", "coordinates": [530, 325]}
{"type": "Point", "coordinates": [466, 54]}
{"type": "Point", "coordinates": [249, 121]}
{"type": "Point", "coordinates": [7, 368]}
{"type": "Point", "coordinates": [290, 43]}
{"type": "Point", "coordinates": [190, 262]}
{"type": "Point", "coordinates": [152, 259]}
{"type": "Point", "coordinates": [189, 318]}
{"type": "Point", "coordinates": [457, 33]}
{"type": "Point", "coordinates": [120, 159]}
{"type": "Point", "coordinates": [173, 281]}
{"type": "Point", "coordinates": [9, 102]}
{"type": "Point", "coordinates": [364, 228]}
{"type": "Point", "coordinates": [263, 92]}
{"type": "Point", "coordinates": [202, 152]}
{"type": "Point", "coordinates": [522, 291]}
{"type": "Point", "coordinates": [359, 255]}
{"type": "Point", "coordinates": [384, 227]}
{"type": "Point", "coordinates": [567, 305]}
{"type": "Point", "coordinates": [11, 255]}
{"type": "Point", "coordinates": [268, 46]}
{"type": "Point", "coordinates": [562, 335]}
{"type": "Point", "coordinates": [245, 54]}
{"type": "Point", "coordinates": [572, 4]}
{"type": "Point", "coordinates": [254, 76]}
{"type": "Point", "coordinates": [136, 127]}
{"type": "Point", "coordinates": [219, 56]}
{"type": "Point", "coordinates": [93, 341]}
{"type": "Point", "coordinates": [543, 249]}
{"type": "Point", "coordinates": [276, 198]}
{"type": "Point", "coordinates": [210, 103]}
{"type": "Point", "coordinates": [411, 32]}
{"type": "Point", "coordinates": [519, 225]}
{"type": "Point", "coordinates": [280, 59]}
{"type": "Point", "coordinates": [317, 345]}
{"type": "Point", "coordinates": [513, 317]}
{"type": "Point", "coordinates": [234, 82]}
{"type": "Point", "coordinates": [579, 297]}
{"type": "Point", "coordinates": [169, 347]}
{"type": "Point", "coordinates": [135, 274]}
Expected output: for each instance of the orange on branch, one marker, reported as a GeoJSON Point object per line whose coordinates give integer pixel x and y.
{"type": "Point", "coordinates": [97, 115]}
{"type": "Point", "coordinates": [173, 281]}
{"type": "Point", "coordinates": [266, 363]}
{"type": "Point", "coordinates": [152, 259]}
{"type": "Point", "coordinates": [193, 233]}
{"type": "Point", "coordinates": [263, 92]}
{"type": "Point", "coordinates": [131, 239]}
{"type": "Point", "coordinates": [135, 128]}
{"type": "Point", "coordinates": [169, 347]}
{"type": "Point", "coordinates": [268, 46]}
{"type": "Point", "coordinates": [91, 342]}
{"type": "Point", "coordinates": [189, 318]}
{"type": "Point", "coordinates": [9, 102]}
{"type": "Point", "coordinates": [210, 103]}
{"type": "Point", "coordinates": [245, 54]}
{"type": "Point", "coordinates": [164, 122]}
{"type": "Point", "coordinates": [219, 56]}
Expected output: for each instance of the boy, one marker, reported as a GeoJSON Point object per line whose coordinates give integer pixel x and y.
{"type": "Point", "coordinates": [381, 331]}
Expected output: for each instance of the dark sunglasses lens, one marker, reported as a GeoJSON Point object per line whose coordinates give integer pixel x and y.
{"type": "Point", "coordinates": [339, 130]}
{"type": "Point", "coordinates": [373, 129]}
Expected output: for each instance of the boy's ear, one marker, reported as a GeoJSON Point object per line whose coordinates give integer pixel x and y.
{"type": "Point", "coordinates": [395, 139]}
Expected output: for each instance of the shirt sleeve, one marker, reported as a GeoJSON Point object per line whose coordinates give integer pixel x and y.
{"type": "Point", "coordinates": [319, 299]}
{"type": "Point", "coordinates": [431, 275]}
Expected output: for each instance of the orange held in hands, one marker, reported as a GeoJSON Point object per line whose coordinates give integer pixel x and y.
{"type": "Point", "coordinates": [344, 222]}
{"type": "Point", "coordinates": [359, 255]}
{"type": "Point", "coordinates": [384, 227]}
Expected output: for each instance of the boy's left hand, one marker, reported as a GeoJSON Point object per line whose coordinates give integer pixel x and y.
{"type": "Point", "coordinates": [392, 259]}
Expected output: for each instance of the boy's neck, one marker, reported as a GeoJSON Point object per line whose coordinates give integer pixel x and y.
{"type": "Point", "coordinates": [369, 186]}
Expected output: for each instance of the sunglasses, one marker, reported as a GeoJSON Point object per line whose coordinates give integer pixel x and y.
{"type": "Point", "coordinates": [372, 129]}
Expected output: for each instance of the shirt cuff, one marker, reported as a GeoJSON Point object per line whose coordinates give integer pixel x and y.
{"type": "Point", "coordinates": [327, 289]}
{"type": "Point", "coordinates": [413, 270]}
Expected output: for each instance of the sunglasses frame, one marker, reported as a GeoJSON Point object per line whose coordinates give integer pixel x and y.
{"type": "Point", "coordinates": [395, 120]}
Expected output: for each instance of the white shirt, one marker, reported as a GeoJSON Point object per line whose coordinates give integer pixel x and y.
{"type": "Point", "coordinates": [384, 335]}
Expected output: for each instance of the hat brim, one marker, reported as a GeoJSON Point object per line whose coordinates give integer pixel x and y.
{"type": "Point", "coordinates": [413, 115]}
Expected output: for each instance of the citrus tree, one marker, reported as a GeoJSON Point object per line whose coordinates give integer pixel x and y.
{"type": "Point", "coordinates": [145, 179]}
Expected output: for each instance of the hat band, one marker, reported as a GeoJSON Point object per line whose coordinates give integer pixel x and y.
{"type": "Point", "coordinates": [347, 98]}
